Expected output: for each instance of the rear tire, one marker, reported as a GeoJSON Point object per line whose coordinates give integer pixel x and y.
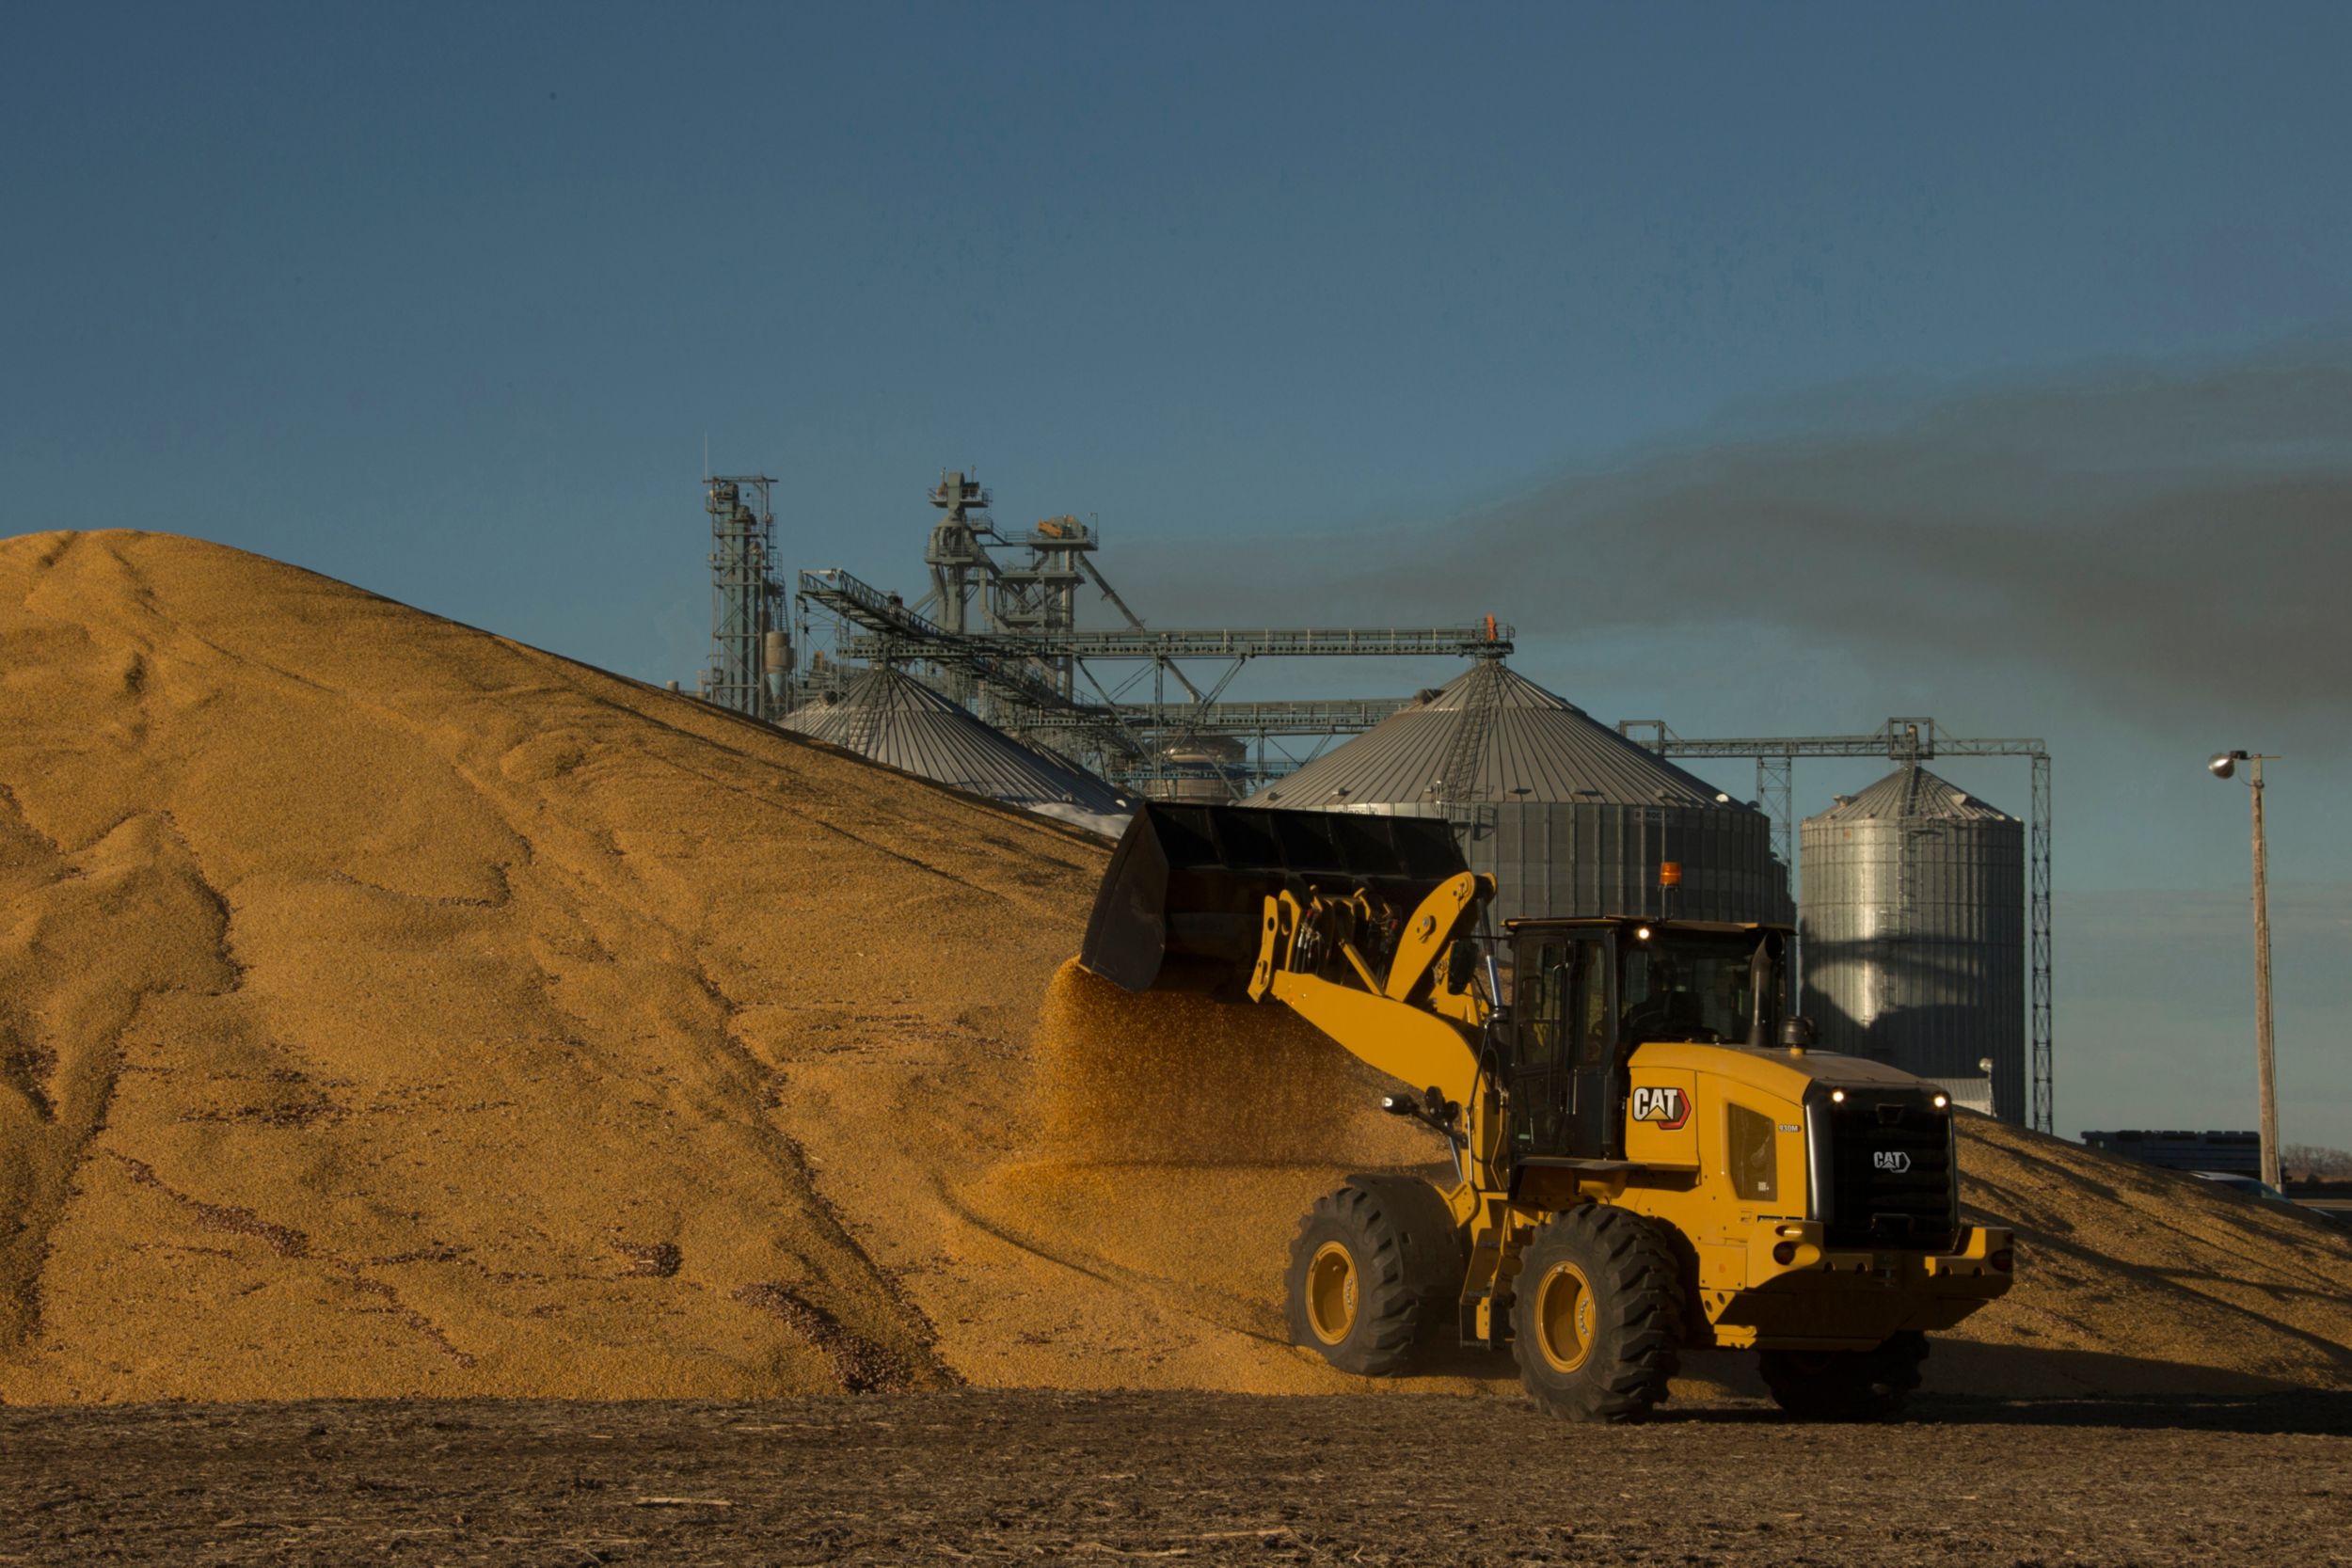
{"type": "Point", "coordinates": [1845, 1385]}
{"type": "Point", "coordinates": [1374, 1267]}
{"type": "Point", "coordinates": [1597, 1315]}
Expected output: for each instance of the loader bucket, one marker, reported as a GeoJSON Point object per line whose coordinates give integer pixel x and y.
{"type": "Point", "coordinates": [1180, 904]}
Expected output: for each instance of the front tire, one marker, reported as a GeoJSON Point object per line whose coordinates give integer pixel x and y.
{"type": "Point", "coordinates": [1597, 1315]}
{"type": "Point", "coordinates": [1373, 1266]}
{"type": "Point", "coordinates": [1845, 1385]}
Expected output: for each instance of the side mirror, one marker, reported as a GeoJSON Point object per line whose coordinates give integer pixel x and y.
{"type": "Point", "coordinates": [1798, 1034]}
{"type": "Point", "coordinates": [1461, 964]}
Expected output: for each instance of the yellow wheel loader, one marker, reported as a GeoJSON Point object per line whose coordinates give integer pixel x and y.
{"type": "Point", "coordinates": [1647, 1153]}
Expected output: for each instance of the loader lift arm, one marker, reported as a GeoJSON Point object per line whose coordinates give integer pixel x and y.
{"type": "Point", "coordinates": [1388, 1023]}
{"type": "Point", "coordinates": [1304, 908]}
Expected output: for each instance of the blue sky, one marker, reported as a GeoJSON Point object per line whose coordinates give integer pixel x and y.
{"type": "Point", "coordinates": [446, 301]}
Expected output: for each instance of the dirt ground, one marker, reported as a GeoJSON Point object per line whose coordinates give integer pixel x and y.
{"type": "Point", "coordinates": [1003, 1477]}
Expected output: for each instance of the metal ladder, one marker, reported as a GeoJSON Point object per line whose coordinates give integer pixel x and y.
{"type": "Point", "coordinates": [1482, 696]}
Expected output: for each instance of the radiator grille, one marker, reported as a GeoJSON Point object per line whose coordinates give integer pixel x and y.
{"type": "Point", "coordinates": [1891, 1174]}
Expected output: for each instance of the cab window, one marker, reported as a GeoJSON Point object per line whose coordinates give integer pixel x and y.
{"type": "Point", "coordinates": [1686, 988]}
{"type": "Point", "coordinates": [1590, 1036]}
{"type": "Point", "coordinates": [1564, 1006]}
{"type": "Point", "coordinates": [1541, 986]}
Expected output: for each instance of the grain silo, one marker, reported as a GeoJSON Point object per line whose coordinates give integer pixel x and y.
{"type": "Point", "coordinates": [1571, 818]}
{"type": "Point", "coordinates": [1201, 769]}
{"type": "Point", "coordinates": [889, 717]}
{"type": "Point", "coordinates": [1913, 932]}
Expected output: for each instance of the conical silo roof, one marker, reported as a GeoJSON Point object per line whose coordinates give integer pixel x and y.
{"type": "Point", "coordinates": [1536, 748]}
{"type": "Point", "coordinates": [889, 717]}
{"type": "Point", "coordinates": [1912, 793]}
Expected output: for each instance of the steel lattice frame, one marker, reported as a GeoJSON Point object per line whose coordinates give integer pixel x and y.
{"type": "Point", "coordinates": [746, 600]}
{"type": "Point", "coordinates": [1129, 737]}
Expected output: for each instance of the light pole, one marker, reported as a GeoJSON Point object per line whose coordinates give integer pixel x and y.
{"type": "Point", "coordinates": [2224, 765]}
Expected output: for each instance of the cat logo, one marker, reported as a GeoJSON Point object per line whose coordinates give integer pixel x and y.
{"type": "Point", "coordinates": [1669, 1108]}
{"type": "Point", "coordinates": [1893, 1161]}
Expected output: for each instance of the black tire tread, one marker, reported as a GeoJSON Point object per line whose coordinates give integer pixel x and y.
{"type": "Point", "coordinates": [1640, 1315]}
{"type": "Point", "coordinates": [1392, 1225]}
{"type": "Point", "coordinates": [1434, 1258]}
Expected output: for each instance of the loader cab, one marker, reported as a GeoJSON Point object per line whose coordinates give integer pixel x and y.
{"type": "Point", "coordinates": [1585, 993]}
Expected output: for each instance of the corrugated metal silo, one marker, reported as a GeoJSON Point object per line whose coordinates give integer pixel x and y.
{"type": "Point", "coordinates": [1914, 931]}
{"type": "Point", "coordinates": [887, 716]}
{"type": "Point", "coordinates": [1571, 818]}
{"type": "Point", "coordinates": [1203, 769]}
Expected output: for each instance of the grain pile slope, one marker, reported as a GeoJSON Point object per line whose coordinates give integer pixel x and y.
{"type": "Point", "coordinates": [386, 1008]}
{"type": "Point", "coordinates": [2133, 1279]}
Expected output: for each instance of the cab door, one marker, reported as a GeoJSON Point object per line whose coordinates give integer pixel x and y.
{"type": "Point", "coordinates": [1564, 1093]}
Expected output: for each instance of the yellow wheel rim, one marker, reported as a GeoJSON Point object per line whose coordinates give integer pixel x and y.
{"type": "Point", "coordinates": [1563, 1316]}
{"type": "Point", "coordinates": [1331, 1293]}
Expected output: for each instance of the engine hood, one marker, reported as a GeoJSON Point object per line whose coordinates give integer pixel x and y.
{"type": "Point", "coordinates": [1786, 1073]}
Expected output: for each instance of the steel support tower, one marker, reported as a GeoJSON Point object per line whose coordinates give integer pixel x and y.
{"type": "Point", "coordinates": [750, 643]}
{"type": "Point", "coordinates": [1903, 740]}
